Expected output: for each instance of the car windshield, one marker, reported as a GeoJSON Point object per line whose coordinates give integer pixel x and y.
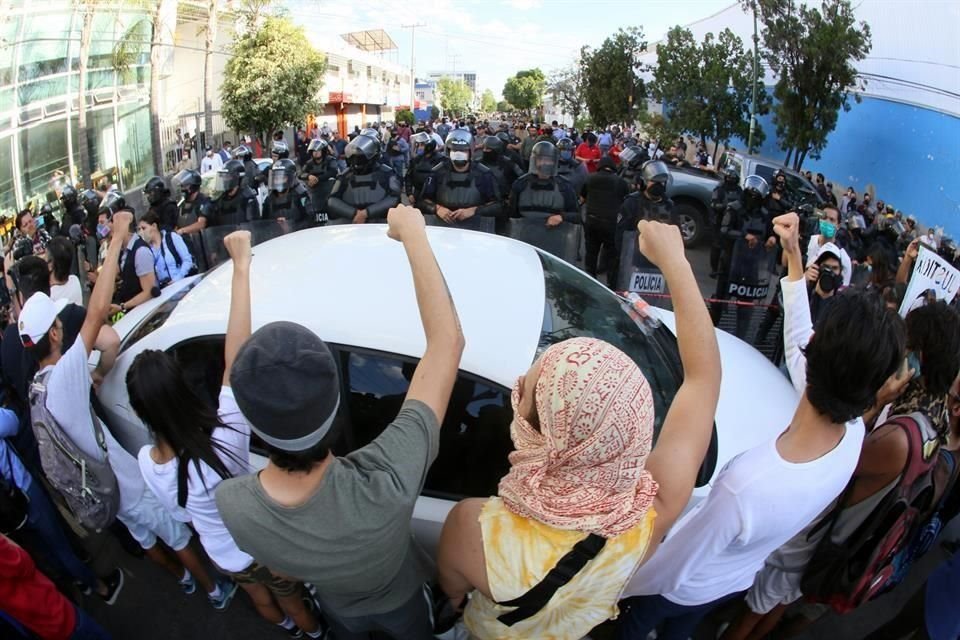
{"type": "Point", "coordinates": [576, 305]}
{"type": "Point", "coordinates": [156, 318]}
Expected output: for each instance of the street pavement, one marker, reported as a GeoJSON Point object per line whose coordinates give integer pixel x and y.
{"type": "Point", "coordinates": [152, 606]}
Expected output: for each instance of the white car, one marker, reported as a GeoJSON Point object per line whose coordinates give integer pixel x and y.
{"type": "Point", "coordinates": [352, 286]}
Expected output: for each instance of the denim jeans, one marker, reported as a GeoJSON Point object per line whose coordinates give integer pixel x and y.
{"type": "Point", "coordinates": [641, 615]}
{"type": "Point", "coordinates": [42, 521]}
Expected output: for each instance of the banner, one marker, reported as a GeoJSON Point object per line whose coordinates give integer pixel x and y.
{"type": "Point", "coordinates": [933, 279]}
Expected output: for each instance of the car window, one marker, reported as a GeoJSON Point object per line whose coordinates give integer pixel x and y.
{"type": "Point", "coordinates": [156, 318]}
{"type": "Point", "coordinates": [764, 171]}
{"type": "Point", "coordinates": [576, 305]}
{"type": "Point", "coordinates": [475, 435]}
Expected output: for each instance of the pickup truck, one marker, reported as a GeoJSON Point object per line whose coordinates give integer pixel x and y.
{"type": "Point", "coordinates": [691, 191]}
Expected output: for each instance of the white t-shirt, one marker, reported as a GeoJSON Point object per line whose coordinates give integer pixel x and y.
{"type": "Point", "coordinates": [758, 502]}
{"type": "Point", "coordinates": [71, 291]}
{"type": "Point", "coordinates": [68, 400]}
{"type": "Point", "coordinates": [201, 508]}
{"type": "Point", "coordinates": [813, 252]}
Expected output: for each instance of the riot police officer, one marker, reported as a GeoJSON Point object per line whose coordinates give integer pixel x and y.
{"type": "Point", "coordinates": [426, 157]}
{"type": "Point", "coordinates": [73, 211]}
{"type": "Point", "coordinates": [158, 197]}
{"type": "Point", "coordinates": [319, 173]}
{"type": "Point", "coordinates": [367, 189]}
{"type": "Point", "coordinates": [569, 168]}
{"type": "Point", "coordinates": [237, 204]}
{"type": "Point", "coordinates": [632, 159]}
{"type": "Point", "coordinates": [648, 202]}
{"type": "Point", "coordinates": [48, 221]}
{"type": "Point", "coordinates": [541, 194]}
{"type": "Point", "coordinates": [504, 169]}
{"type": "Point", "coordinates": [251, 172]}
{"type": "Point", "coordinates": [279, 151]}
{"type": "Point", "coordinates": [746, 223]}
{"type": "Point", "coordinates": [511, 144]}
{"type": "Point", "coordinates": [778, 202]}
{"type": "Point", "coordinates": [194, 206]}
{"type": "Point", "coordinates": [288, 199]}
{"type": "Point", "coordinates": [460, 189]}
{"type": "Point", "coordinates": [727, 192]}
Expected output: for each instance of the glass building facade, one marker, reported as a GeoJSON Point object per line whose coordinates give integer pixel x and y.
{"type": "Point", "coordinates": [40, 98]}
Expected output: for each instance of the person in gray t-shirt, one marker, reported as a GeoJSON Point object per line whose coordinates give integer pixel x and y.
{"type": "Point", "coordinates": [343, 524]}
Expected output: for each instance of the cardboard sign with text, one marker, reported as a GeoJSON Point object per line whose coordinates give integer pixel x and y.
{"type": "Point", "coordinates": [930, 273]}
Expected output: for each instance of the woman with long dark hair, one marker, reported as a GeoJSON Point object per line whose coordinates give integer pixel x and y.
{"type": "Point", "coordinates": [198, 446]}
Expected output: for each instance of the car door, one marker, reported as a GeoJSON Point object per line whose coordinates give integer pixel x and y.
{"type": "Point", "coordinates": [474, 438]}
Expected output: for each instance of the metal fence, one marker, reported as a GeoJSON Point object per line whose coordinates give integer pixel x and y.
{"type": "Point", "coordinates": [192, 125]}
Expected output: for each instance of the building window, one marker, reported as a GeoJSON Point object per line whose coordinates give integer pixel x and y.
{"type": "Point", "coordinates": [43, 151]}
{"type": "Point", "coordinates": [133, 140]}
{"type": "Point", "coordinates": [8, 196]}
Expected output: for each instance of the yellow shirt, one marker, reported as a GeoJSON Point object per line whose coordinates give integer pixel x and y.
{"type": "Point", "coordinates": [519, 552]}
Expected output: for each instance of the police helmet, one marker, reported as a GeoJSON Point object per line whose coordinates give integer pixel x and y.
{"type": "Point", "coordinates": [543, 160]}
{"type": "Point", "coordinates": [230, 175]}
{"type": "Point", "coordinates": [188, 181]}
{"type": "Point", "coordinates": [731, 174]}
{"type": "Point", "coordinates": [459, 140]}
{"type": "Point", "coordinates": [655, 171]}
{"type": "Point", "coordinates": [243, 152]}
{"type": "Point", "coordinates": [283, 174]}
{"type": "Point", "coordinates": [68, 196]}
{"type": "Point", "coordinates": [778, 174]}
{"type": "Point", "coordinates": [90, 200]}
{"type": "Point", "coordinates": [155, 190]}
{"type": "Point", "coordinates": [112, 202]}
{"type": "Point", "coordinates": [425, 140]}
{"type": "Point", "coordinates": [504, 137]}
{"type": "Point", "coordinates": [318, 145]}
{"type": "Point", "coordinates": [363, 154]}
{"type": "Point", "coordinates": [280, 150]}
{"type": "Point", "coordinates": [46, 209]}
{"type": "Point", "coordinates": [493, 143]}
{"type": "Point", "coordinates": [373, 133]}
{"type": "Point", "coordinates": [755, 190]}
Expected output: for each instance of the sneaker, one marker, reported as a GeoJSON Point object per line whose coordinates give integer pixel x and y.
{"type": "Point", "coordinates": [189, 585]}
{"type": "Point", "coordinates": [227, 590]}
{"type": "Point", "coordinates": [82, 588]}
{"type": "Point", "coordinates": [114, 584]}
{"type": "Point", "coordinates": [295, 632]}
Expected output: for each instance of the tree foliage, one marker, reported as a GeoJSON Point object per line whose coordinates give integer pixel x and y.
{"type": "Point", "coordinates": [272, 78]}
{"type": "Point", "coordinates": [404, 115]}
{"type": "Point", "coordinates": [706, 89]}
{"type": "Point", "coordinates": [614, 91]}
{"type": "Point", "coordinates": [525, 90]}
{"type": "Point", "coordinates": [488, 103]}
{"type": "Point", "coordinates": [505, 107]}
{"type": "Point", "coordinates": [812, 52]}
{"type": "Point", "coordinates": [566, 87]}
{"type": "Point", "coordinates": [455, 96]}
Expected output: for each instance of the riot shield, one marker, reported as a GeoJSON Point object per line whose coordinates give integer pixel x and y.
{"type": "Point", "coordinates": [750, 270]}
{"type": "Point", "coordinates": [637, 274]}
{"type": "Point", "coordinates": [260, 232]}
{"type": "Point", "coordinates": [194, 242]}
{"type": "Point", "coordinates": [563, 241]}
{"type": "Point", "coordinates": [476, 223]}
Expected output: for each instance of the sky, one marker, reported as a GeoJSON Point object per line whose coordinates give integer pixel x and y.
{"type": "Point", "coordinates": [497, 38]}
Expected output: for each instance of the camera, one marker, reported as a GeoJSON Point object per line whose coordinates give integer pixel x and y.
{"type": "Point", "coordinates": [809, 220]}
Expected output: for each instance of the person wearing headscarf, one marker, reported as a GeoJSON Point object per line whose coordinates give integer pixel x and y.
{"type": "Point", "coordinates": [586, 501]}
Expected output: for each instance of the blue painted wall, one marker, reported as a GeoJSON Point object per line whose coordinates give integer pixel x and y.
{"type": "Point", "coordinates": [909, 155]}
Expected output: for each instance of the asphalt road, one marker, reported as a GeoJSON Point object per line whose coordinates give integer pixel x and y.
{"type": "Point", "coordinates": [152, 607]}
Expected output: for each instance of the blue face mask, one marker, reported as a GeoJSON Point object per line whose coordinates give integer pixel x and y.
{"type": "Point", "coordinates": [102, 231]}
{"type": "Point", "coordinates": [420, 151]}
{"type": "Point", "coordinates": [566, 155]}
{"type": "Point", "coordinates": [827, 229]}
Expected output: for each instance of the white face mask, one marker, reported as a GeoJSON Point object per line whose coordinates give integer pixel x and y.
{"type": "Point", "coordinates": [459, 156]}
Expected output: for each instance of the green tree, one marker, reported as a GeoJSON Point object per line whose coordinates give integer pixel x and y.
{"type": "Point", "coordinates": [505, 107]}
{"type": "Point", "coordinates": [455, 96]}
{"type": "Point", "coordinates": [566, 87]}
{"type": "Point", "coordinates": [404, 115]}
{"type": "Point", "coordinates": [812, 51]}
{"type": "Point", "coordinates": [261, 95]}
{"type": "Point", "coordinates": [613, 88]}
{"type": "Point", "coordinates": [488, 103]}
{"type": "Point", "coordinates": [434, 112]}
{"type": "Point", "coordinates": [525, 90]}
{"type": "Point", "coordinates": [706, 89]}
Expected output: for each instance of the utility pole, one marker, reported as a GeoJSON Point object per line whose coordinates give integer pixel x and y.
{"type": "Point", "coordinates": [756, 67]}
{"type": "Point", "coordinates": [413, 48]}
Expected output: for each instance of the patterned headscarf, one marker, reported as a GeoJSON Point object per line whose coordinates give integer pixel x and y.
{"type": "Point", "coordinates": [584, 469]}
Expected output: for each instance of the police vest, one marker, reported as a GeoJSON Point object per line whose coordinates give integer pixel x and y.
{"type": "Point", "coordinates": [422, 169]}
{"type": "Point", "coordinates": [190, 211]}
{"type": "Point", "coordinates": [459, 190]}
{"type": "Point", "coordinates": [129, 282]}
{"type": "Point", "coordinates": [234, 210]}
{"type": "Point", "coordinates": [540, 200]}
{"type": "Point", "coordinates": [289, 204]}
{"type": "Point", "coordinates": [364, 190]}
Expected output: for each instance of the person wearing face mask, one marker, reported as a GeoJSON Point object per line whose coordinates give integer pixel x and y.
{"type": "Point", "coordinates": [648, 202]}
{"type": "Point", "coordinates": [824, 279]}
{"type": "Point", "coordinates": [288, 200]}
{"type": "Point", "coordinates": [425, 157]}
{"type": "Point", "coordinates": [540, 194]}
{"type": "Point", "coordinates": [237, 204]}
{"type": "Point", "coordinates": [367, 189]}
{"type": "Point", "coordinates": [778, 202]}
{"type": "Point", "coordinates": [503, 168]}
{"type": "Point", "coordinates": [726, 193]}
{"type": "Point", "coordinates": [158, 196]}
{"type": "Point", "coordinates": [459, 189]}
{"type": "Point", "coordinates": [569, 168]}
{"type": "Point", "coordinates": [319, 173]}
{"type": "Point", "coordinates": [829, 225]}
{"type": "Point", "coordinates": [603, 194]}
{"type": "Point", "coordinates": [171, 258]}
{"type": "Point", "coordinates": [194, 206]}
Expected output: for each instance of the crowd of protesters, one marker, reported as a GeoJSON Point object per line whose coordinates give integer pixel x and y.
{"type": "Point", "coordinates": [591, 522]}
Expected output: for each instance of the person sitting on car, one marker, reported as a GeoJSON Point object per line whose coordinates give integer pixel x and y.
{"type": "Point", "coordinates": [583, 479]}
{"type": "Point", "coordinates": [171, 257]}
{"type": "Point", "coordinates": [766, 495]}
{"type": "Point", "coordinates": [343, 523]}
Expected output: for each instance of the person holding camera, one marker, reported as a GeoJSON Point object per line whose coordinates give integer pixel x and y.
{"type": "Point", "coordinates": [27, 227]}
{"type": "Point", "coordinates": [171, 257]}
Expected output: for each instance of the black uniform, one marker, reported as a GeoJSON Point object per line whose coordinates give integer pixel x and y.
{"type": "Point", "coordinates": [376, 192]}
{"type": "Point", "coordinates": [325, 171]}
{"type": "Point", "coordinates": [574, 172]}
{"type": "Point", "coordinates": [739, 220]}
{"type": "Point", "coordinates": [241, 207]}
{"type": "Point", "coordinates": [251, 175]}
{"type": "Point", "coordinates": [190, 211]}
{"type": "Point", "coordinates": [630, 170]}
{"type": "Point", "coordinates": [418, 172]}
{"type": "Point", "coordinates": [636, 207]}
{"type": "Point", "coordinates": [168, 213]}
{"type": "Point", "coordinates": [75, 214]}
{"type": "Point", "coordinates": [604, 192]}
{"type": "Point", "coordinates": [722, 197]}
{"type": "Point", "coordinates": [506, 173]}
{"type": "Point", "coordinates": [539, 199]}
{"type": "Point", "coordinates": [291, 205]}
{"type": "Point", "coordinates": [476, 187]}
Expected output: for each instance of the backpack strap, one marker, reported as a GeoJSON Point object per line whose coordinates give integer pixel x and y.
{"type": "Point", "coordinates": [531, 602]}
{"type": "Point", "coordinates": [168, 240]}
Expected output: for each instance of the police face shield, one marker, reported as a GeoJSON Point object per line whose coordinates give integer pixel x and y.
{"type": "Point", "coordinates": [279, 180]}
{"type": "Point", "coordinates": [627, 156]}
{"type": "Point", "coordinates": [226, 181]}
{"type": "Point", "coordinates": [316, 148]}
{"type": "Point", "coordinates": [180, 183]}
{"type": "Point", "coordinates": [543, 162]}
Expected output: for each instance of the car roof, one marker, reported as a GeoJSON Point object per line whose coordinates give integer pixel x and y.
{"type": "Point", "coordinates": [352, 285]}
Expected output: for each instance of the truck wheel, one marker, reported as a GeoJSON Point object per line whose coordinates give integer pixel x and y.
{"type": "Point", "coordinates": [691, 223]}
